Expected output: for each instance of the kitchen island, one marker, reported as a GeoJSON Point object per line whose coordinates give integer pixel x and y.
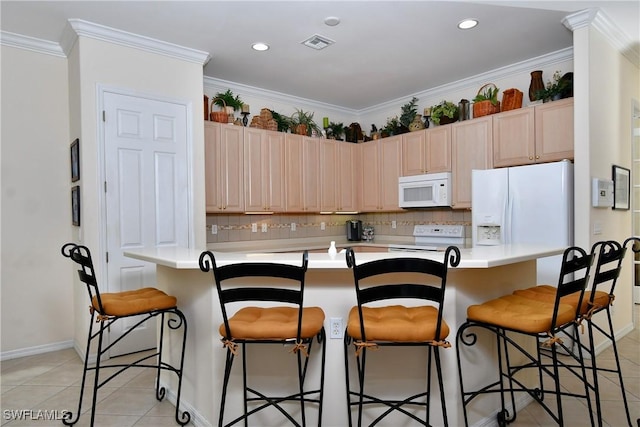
{"type": "Point", "coordinates": [483, 273]}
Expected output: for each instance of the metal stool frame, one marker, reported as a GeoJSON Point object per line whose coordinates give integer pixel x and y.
{"type": "Point", "coordinates": [608, 266]}
{"type": "Point", "coordinates": [371, 293]}
{"type": "Point", "coordinates": [302, 346]}
{"type": "Point", "coordinates": [575, 262]}
{"type": "Point", "coordinates": [82, 256]}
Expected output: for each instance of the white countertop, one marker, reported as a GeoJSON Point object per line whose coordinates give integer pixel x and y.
{"type": "Point", "coordinates": [477, 257]}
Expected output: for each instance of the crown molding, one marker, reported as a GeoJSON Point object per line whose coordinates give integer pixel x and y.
{"type": "Point", "coordinates": [31, 43]}
{"type": "Point", "coordinates": [218, 85]}
{"type": "Point", "coordinates": [599, 20]}
{"type": "Point", "coordinates": [213, 85]}
{"type": "Point", "coordinates": [124, 38]}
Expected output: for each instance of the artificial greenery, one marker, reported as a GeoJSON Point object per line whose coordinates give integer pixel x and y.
{"type": "Point", "coordinates": [336, 130]}
{"type": "Point", "coordinates": [409, 111]}
{"type": "Point", "coordinates": [553, 88]}
{"type": "Point", "coordinates": [391, 127]}
{"type": "Point", "coordinates": [301, 117]}
{"type": "Point", "coordinates": [444, 108]}
{"type": "Point", "coordinates": [283, 121]}
{"type": "Point", "coordinates": [228, 99]}
{"type": "Point", "coordinates": [489, 94]}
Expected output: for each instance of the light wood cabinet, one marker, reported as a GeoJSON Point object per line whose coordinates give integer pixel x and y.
{"type": "Point", "coordinates": [514, 139]}
{"type": "Point", "coordinates": [381, 168]}
{"type": "Point", "coordinates": [224, 176]}
{"type": "Point", "coordinates": [302, 170]}
{"type": "Point", "coordinates": [264, 161]}
{"type": "Point", "coordinates": [471, 148]}
{"type": "Point", "coordinates": [539, 134]}
{"type": "Point", "coordinates": [554, 130]}
{"type": "Point", "coordinates": [426, 151]}
{"type": "Point", "coordinates": [339, 173]}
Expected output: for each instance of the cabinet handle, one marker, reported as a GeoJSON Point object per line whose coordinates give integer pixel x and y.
{"type": "Point", "coordinates": [530, 157]}
{"type": "Point", "coordinates": [537, 157]}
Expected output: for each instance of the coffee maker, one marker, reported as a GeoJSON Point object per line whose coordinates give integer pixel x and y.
{"type": "Point", "coordinates": [354, 230]}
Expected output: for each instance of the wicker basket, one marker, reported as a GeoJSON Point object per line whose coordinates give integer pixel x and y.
{"type": "Point", "coordinates": [484, 108]}
{"type": "Point", "coordinates": [511, 99]}
{"type": "Point", "coordinates": [219, 116]}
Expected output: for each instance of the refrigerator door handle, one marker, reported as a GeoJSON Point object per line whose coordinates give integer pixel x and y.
{"type": "Point", "coordinates": [508, 219]}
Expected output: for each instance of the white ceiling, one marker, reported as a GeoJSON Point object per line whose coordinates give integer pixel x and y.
{"type": "Point", "coordinates": [383, 50]}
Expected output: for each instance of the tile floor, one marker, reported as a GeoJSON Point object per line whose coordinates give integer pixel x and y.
{"type": "Point", "coordinates": [51, 381]}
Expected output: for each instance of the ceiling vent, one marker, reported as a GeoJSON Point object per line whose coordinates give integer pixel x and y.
{"type": "Point", "coordinates": [318, 42]}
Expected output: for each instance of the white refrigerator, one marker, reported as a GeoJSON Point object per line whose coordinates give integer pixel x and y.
{"type": "Point", "coordinates": [525, 204]}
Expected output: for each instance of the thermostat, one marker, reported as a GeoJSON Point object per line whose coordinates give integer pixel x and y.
{"type": "Point", "coordinates": [602, 193]}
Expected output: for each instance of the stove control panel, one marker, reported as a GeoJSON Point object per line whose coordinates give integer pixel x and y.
{"type": "Point", "coordinates": [434, 230]}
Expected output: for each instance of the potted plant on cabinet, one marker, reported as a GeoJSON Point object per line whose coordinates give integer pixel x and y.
{"type": "Point", "coordinates": [283, 121]}
{"type": "Point", "coordinates": [336, 130]}
{"type": "Point", "coordinates": [409, 111]}
{"type": "Point", "coordinates": [302, 123]}
{"type": "Point", "coordinates": [554, 88]}
{"type": "Point", "coordinates": [443, 113]}
{"type": "Point", "coordinates": [227, 99]}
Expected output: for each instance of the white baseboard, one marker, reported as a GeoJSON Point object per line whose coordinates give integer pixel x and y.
{"type": "Point", "coordinates": [30, 351]}
{"type": "Point", "coordinates": [196, 418]}
{"type": "Point", "coordinates": [621, 333]}
{"type": "Point", "coordinates": [491, 421]}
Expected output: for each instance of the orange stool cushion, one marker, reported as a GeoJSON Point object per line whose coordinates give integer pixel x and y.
{"type": "Point", "coordinates": [519, 313]}
{"type": "Point", "coordinates": [547, 293]}
{"type": "Point", "coordinates": [277, 323]}
{"type": "Point", "coordinates": [134, 302]}
{"type": "Point", "coordinates": [397, 323]}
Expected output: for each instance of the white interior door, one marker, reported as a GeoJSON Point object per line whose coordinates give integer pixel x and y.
{"type": "Point", "coordinates": [146, 193]}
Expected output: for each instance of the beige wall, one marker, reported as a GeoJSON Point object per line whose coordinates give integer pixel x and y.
{"type": "Point", "coordinates": [605, 87]}
{"type": "Point", "coordinates": [36, 282]}
{"type": "Point", "coordinates": [94, 63]}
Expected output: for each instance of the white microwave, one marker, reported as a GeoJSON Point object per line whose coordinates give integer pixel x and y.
{"type": "Point", "coordinates": [425, 191]}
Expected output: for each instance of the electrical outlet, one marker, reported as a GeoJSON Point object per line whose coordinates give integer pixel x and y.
{"type": "Point", "coordinates": [214, 229]}
{"type": "Point", "coordinates": [393, 224]}
{"type": "Point", "coordinates": [323, 226]}
{"type": "Point", "coordinates": [264, 227]}
{"type": "Point", "coordinates": [336, 329]}
{"type": "Point", "coordinates": [293, 226]}
{"type": "Point", "coordinates": [254, 227]}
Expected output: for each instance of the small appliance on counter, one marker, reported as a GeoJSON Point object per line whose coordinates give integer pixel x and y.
{"type": "Point", "coordinates": [354, 230]}
{"type": "Point", "coordinates": [367, 233]}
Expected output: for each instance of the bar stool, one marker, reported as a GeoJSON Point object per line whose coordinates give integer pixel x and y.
{"type": "Point", "coordinates": [609, 256]}
{"type": "Point", "coordinates": [511, 316]}
{"type": "Point", "coordinates": [287, 323]}
{"type": "Point", "coordinates": [371, 326]}
{"type": "Point", "coordinates": [108, 308]}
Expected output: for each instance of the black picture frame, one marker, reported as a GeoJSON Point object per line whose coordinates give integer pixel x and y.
{"type": "Point", "coordinates": [75, 160]}
{"type": "Point", "coordinates": [75, 205]}
{"type": "Point", "coordinates": [621, 187]}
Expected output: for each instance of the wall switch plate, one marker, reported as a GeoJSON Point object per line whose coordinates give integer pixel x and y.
{"type": "Point", "coordinates": [214, 229]}
{"type": "Point", "coordinates": [254, 227]}
{"type": "Point", "coordinates": [293, 226]}
{"type": "Point", "coordinates": [264, 227]}
{"type": "Point", "coordinates": [394, 224]}
{"type": "Point", "coordinates": [336, 328]}
{"type": "Point", "coordinates": [323, 226]}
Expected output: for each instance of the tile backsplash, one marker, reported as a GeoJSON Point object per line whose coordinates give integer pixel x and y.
{"type": "Point", "coordinates": [236, 228]}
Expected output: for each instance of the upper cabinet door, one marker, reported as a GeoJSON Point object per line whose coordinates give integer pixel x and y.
{"type": "Point", "coordinates": [224, 178]}
{"type": "Point", "coordinates": [554, 130]}
{"type": "Point", "coordinates": [426, 151]}
{"type": "Point", "coordinates": [390, 170]}
{"type": "Point", "coordinates": [264, 170]}
{"type": "Point", "coordinates": [328, 173]}
{"type": "Point", "coordinates": [514, 138]}
{"type": "Point", "coordinates": [471, 147]}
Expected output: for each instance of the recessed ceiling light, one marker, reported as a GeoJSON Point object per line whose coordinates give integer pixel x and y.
{"type": "Point", "coordinates": [332, 21]}
{"type": "Point", "coordinates": [260, 46]}
{"type": "Point", "coordinates": [467, 24]}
